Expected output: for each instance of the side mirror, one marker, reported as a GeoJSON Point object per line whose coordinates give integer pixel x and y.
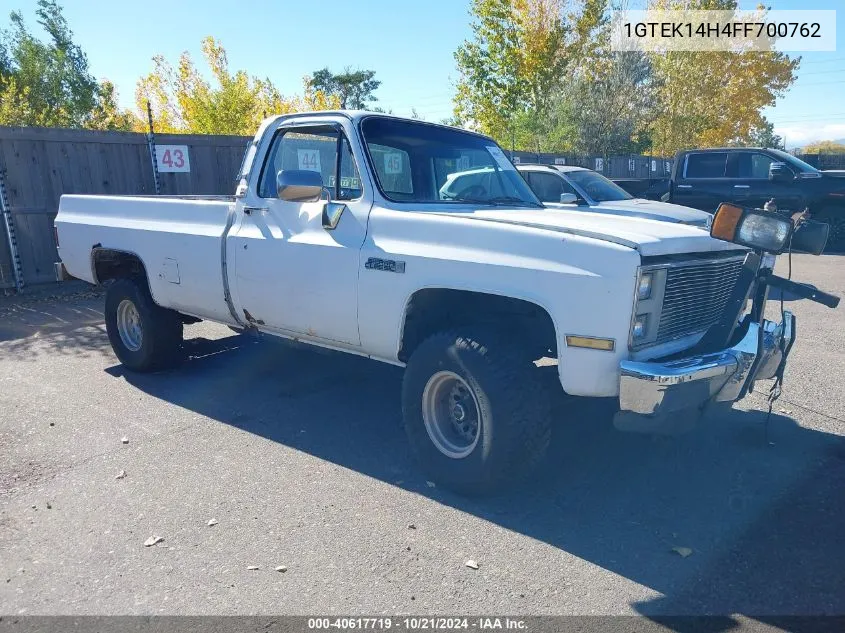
{"type": "Point", "coordinates": [779, 172]}
{"type": "Point", "coordinates": [299, 185]}
{"type": "Point", "coordinates": [568, 198]}
{"type": "Point", "coordinates": [810, 236]}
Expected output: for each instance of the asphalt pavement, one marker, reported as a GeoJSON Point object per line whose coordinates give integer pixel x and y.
{"type": "Point", "coordinates": [298, 460]}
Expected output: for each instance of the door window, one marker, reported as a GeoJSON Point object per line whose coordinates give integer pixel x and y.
{"type": "Point", "coordinates": [753, 165]}
{"type": "Point", "coordinates": [548, 187]}
{"type": "Point", "coordinates": [706, 165]}
{"type": "Point", "coordinates": [313, 149]}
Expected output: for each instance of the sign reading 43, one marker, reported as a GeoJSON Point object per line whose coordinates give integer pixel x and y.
{"type": "Point", "coordinates": [172, 158]}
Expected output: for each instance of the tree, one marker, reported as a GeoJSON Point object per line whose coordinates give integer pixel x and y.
{"type": "Point", "coordinates": [824, 147]}
{"type": "Point", "coordinates": [516, 60]}
{"type": "Point", "coordinates": [714, 98]}
{"type": "Point", "coordinates": [182, 100]}
{"type": "Point", "coordinates": [49, 83]}
{"type": "Point", "coordinates": [764, 136]}
{"type": "Point", "coordinates": [607, 111]}
{"type": "Point", "coordinates": [353, 88]}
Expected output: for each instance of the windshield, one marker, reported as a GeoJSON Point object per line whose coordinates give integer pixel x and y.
{"type": "Point", "coordinates": [418, 162]}
{"type": "Point", "coordinates": [795, 162]}
{"type": "Point", "coordinates": [597, 186]}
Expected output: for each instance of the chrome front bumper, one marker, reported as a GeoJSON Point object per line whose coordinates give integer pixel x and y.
{"type": "Point", "coordinates": [653, 395]}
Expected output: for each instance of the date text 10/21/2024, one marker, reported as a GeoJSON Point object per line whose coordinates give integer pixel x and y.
{"type": "Point", "coordinates": [412, 623]}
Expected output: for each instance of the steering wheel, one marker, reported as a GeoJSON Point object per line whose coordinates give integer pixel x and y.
{"type": "Point", "coordinates": [473, 191]}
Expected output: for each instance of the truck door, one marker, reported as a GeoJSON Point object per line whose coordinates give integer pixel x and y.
{"type": "Point", "coordinates": [292, 274]}
{"type": "Point", "coordinates": [749, 171]}
{"type": "Point", "coordinates": [701, 182]}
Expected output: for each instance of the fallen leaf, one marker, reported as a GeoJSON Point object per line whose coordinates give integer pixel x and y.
{"type": "Point", "coordinates": [281, 568]}
{"type": "Point", "coordinates": [153, 540]}
{"type": "Point", "coordinates": [49, 507]}
{"type": "Point", "coordinates": [430, 484]}
{"type": "Point", "coordinates": [124, 440]}
{"type": "Point", "coordinates": [120, 475]}
{"type": "Point", "coordinates": [786, 411]}
{"type": "Point", "coordinates": [683, 552]}
{"type": "Point", "coordinates": [253, 568]}
{"type": "Point", "coordinates": [212, 522]}
{"type": "Point", "coordinates": [411, 526]}
{"type": "Point", "coordinates": [471, 564]}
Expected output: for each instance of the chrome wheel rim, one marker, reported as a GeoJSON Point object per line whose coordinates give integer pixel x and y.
{"type": "Point", "coordinates": [129, 325]}
{"type": "Point", "coordinates": [451, 414]}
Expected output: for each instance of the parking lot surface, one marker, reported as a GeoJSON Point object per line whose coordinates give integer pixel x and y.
{"type": "Point", "coordinates": [297, 459]}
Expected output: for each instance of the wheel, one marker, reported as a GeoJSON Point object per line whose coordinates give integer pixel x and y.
{"type": "Point", "coordinates": [476, 416]}
{"type": "Point", "coordinates": [144, 336]}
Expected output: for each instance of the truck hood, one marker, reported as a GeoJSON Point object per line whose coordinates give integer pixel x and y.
{"type": "Point", "coordinates": [649, 209]}
{"type": "Point", "coordinates": [648, 236]}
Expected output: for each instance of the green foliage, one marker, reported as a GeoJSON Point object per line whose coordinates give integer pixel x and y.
{"type": "Point", "coordinates": [764, 136]}
{"type": "Point", "coordinates": [824, 147]}
{"type": "Point", "coordinates": [183, 100]}
{"type": "Point", "coordinates": [522, 54]}
{"type": "Point", "coordinates": [353, 88]}
{"type": "Point", "coordinates": [49, 83]}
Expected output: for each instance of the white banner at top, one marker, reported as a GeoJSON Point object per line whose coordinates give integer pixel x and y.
{"type": "Point", "coordinates": [659, 30]}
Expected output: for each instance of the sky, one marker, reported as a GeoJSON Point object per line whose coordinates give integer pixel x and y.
{"type": "Point", "coordinates": [409, 44]}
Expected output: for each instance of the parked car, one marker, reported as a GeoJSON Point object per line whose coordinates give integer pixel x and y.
{"type": "Point", "coordinates": [569, 187]}
{"type": "Point", "coordinates": [648, 188]}
{"type": "Point", "coordinates": [704, 178]}
{"type": "Point", "coordinates": [340, 235]}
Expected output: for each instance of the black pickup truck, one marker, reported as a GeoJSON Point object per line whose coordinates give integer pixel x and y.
{"type": "Point", "coordinates": [702, 178]}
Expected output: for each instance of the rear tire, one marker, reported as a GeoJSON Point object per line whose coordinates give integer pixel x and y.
{"type": "Point", "coordinates": [144, 336]}
{"type": "Point", "coordinates": [476, 414]}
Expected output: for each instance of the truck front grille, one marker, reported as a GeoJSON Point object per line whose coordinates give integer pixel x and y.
{"type": "Point", "coordinates": [695, 297]}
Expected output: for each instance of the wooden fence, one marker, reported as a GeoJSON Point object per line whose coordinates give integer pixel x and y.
{"type": "Point", "coordinates": [40, 164]}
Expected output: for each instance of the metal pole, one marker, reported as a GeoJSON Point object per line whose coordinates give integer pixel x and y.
{"type": "Point", "coordinates": [9, 223]}
{"type": "Point", "coordinates": [151, 143]}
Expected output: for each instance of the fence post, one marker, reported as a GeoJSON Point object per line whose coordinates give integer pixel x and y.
{"type": "Point", "coordinates": [11, 237]}
{"type": "Point", "coordinates": [151, 143]}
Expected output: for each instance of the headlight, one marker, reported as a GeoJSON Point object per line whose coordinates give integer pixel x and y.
{"type": "Point", "coordinates": [765, 232]}
{"type": "Point", "coordinates": [644, 286]}
{"type": "Point", "coordinates": [640, 327]}
{"type": "Point", "coordinates": [748, 227]}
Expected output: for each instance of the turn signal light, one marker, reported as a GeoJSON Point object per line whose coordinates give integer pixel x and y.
{"type": "Point", "coordinates": [590, 342]}
{"type": "Point", "coordinates": [725, 222]}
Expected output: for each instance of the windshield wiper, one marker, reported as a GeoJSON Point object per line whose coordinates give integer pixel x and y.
{"type": "Point", "coordinates": [508, 200]}
{"type": "Point", "coordinates": [498, 201]}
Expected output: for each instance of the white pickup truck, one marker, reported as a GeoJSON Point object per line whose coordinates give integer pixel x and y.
{"type": "Point", "coordinates": [340, 235]}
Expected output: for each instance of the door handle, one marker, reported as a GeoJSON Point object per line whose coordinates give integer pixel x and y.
{"type": "Point", "coordinates": [741, 186]}
{"type": "Point", "coordinates": [684, 186]}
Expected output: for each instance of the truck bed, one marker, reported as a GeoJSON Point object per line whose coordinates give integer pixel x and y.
{"type": "Point", "coordinates": [178, 238]}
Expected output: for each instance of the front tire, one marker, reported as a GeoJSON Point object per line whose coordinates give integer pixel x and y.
{"type": "Point", "coordinates": [476, 414]}
{"type": "Point", "coordinates": [144, 336]}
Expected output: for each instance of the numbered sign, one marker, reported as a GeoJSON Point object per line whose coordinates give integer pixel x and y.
{"type": "Point", "coordinates": [599, 164]}
{"type": "Point", "coordinates": [172, 158]}
{"type": "Point", "coordinates": [653, 165]}
{"type": "Point", "coordinates": [309, 160]}
{"type": "Point", "coordinates": [516, 160]}
{"type": "Point", "coordinates": [632, 165]}
{"type": "Point", "coordinates": [393, 163]}
{"type": "Point", "coordinates": [560, 161]}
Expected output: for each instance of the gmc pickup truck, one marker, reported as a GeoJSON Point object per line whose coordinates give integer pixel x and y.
{"type": "Point", "coordinates": [341, 234]}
